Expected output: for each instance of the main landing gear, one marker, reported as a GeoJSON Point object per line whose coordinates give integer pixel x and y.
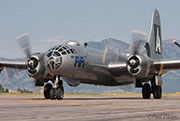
{"type": "Point", "coordinates": [55, 91]}
{"type": "Point", "coordinates": [155, 90]}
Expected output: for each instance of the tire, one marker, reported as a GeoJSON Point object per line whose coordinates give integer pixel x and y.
{"type": "Point", "coordinates": [47, 89]}
{"type": "Point", "coordinates": [157, 93]}
{"type": "Point", "coordinates": [146, 91]}
{"type": "Point", "coordinates": [62, 89]}
{"type": "Point", "coordinates": [52, 94]}
{"type": "Point", "coordinates": [60, 93]}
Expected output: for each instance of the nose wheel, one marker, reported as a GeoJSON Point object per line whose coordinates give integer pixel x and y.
{"type": "Point", "coordinates": [47, 89]}
{"type": "Point", "coordinates": [55, 91]}
{"type": "Point", "coordinates": [59, 93]}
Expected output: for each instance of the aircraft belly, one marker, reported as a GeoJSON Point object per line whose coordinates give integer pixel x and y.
{"type": "Point", "coordinates": [101, 78]}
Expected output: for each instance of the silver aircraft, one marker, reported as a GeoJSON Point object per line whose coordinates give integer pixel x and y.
{"type": "Point", "coordinates": [74, 64]}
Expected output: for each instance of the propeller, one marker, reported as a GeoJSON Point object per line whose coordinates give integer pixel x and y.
{"type": "Point", "coordinates": [133, 60]}
{"type": "Point", "coordinates": [136, 46]}
{"type": "Point", "coordinates": [137, 38]}
{"type": "Point", "coordinates": [32, 62]}
{"type": "Point", "coordinates": [23, 41]}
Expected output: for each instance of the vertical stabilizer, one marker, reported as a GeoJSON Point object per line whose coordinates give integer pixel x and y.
{"type": "Point", "coordinates": [154, 42]}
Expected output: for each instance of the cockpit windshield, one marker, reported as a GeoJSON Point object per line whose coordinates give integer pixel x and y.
{"type": "Point", "coordinates": [56, 53]}
{"type": "Point", "coordinates": [61, 50]}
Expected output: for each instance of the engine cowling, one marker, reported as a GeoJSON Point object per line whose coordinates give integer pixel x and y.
{"type": "Point", "coordinates": [35, 66]}
{"type": "Point", "coordinates": [139, 65]}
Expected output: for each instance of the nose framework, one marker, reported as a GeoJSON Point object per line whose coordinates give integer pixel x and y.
{"type": "Point", "coordinates": [54, 62]}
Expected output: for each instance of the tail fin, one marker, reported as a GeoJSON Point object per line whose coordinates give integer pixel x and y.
{"type": "Point", "coordinates": [154, 42]}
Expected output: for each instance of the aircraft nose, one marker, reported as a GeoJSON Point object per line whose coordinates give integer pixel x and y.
{"type": "Point", "coordinates": [54, 62]}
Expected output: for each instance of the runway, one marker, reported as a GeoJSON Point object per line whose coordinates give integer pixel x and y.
{"type": "Point", "coordinates": [18, 108]}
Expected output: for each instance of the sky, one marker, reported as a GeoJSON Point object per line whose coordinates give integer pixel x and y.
{"type": "Point", "coordinates": [51, 22]}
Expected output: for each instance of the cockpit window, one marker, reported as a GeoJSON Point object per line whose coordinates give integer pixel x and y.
{"type": "Point", "coordinates": [57, 48]}
{"type": "Point", "coordinates": [64, 48]}
{"type": "Point", "coordinates": [56, 54]}
{"type": "Point", "coordinates": [50, 49]}
{"type": "Point", "coordinates": [68, 51]}
{"type": "Point", "coordinates": [63, 53]}
{"type": "Point", "coordinates": [71, 51]}
{"type": "Point", "coordinates": [74, 50]}
{"type": "Point", "coordinates": [60, 50]}
{"type": "Point", "coordinates": [49, 54]}
{"type": "Point", "coordinates": [53, 48]}
{"type": "Point", "coordinates": [51, 58]}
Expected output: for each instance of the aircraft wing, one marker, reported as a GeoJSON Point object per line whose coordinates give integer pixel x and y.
{"type": "Point", "coordinates": [167, 65]}
{"type": "Point", "coordinates": [13, 64]}
{"type": "Point", "coordinates": [115, 69]}
{"type": "Point", "coordinates": [161, 66]}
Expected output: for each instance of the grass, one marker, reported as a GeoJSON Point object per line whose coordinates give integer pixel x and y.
{"type": "Point", "coordinates": [22, 94]}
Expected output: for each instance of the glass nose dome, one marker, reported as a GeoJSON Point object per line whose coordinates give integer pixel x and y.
{"type": "Point", "coordinates": [55, 54]}
{"type": "Point", "coordinates": [54, 60]}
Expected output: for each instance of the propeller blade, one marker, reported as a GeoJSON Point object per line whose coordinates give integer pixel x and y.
{"type": "Point", "coordinates": [137, 38]}
{"type": "Point", "coordinates": [23, 41]}
{"type": "Point", "coordinates": [136, 46]}
{"type": "Point", "coordinates": [138, 35]}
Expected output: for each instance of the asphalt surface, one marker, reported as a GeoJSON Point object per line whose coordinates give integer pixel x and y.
{"type": "Point", "coordinates": [89, 109]}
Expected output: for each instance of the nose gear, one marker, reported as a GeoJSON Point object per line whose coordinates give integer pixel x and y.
{"type": "Point", "coordinates": [55, 91]}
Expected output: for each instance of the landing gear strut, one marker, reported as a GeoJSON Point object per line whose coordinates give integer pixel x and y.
{"type": "Point", "coordinates": [56, 91]}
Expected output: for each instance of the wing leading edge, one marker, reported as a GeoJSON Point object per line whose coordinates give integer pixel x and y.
{"type": "Point", "coordinates": [167, 65]}
{"type": "Point", "coordinates": [13, 64]}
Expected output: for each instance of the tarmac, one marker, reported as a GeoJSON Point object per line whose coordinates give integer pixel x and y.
{"type": "Point", "coordinates": [19, 108]}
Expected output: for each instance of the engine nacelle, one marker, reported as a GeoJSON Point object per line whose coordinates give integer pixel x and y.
{"type": "Point", "coordinates": [139, 66]}
{"type": "Point", "coordinates": [35, 66]}
{"type": "Point", "coordinates": [36, 69]}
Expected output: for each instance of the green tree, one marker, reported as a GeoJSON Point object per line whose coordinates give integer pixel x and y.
{"type": "Point", "coordinates": [1, 88]}
{"type": "Point", "coordinates": [24, 91]}
{"type": "Point", "coordinates": [7, 90]}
